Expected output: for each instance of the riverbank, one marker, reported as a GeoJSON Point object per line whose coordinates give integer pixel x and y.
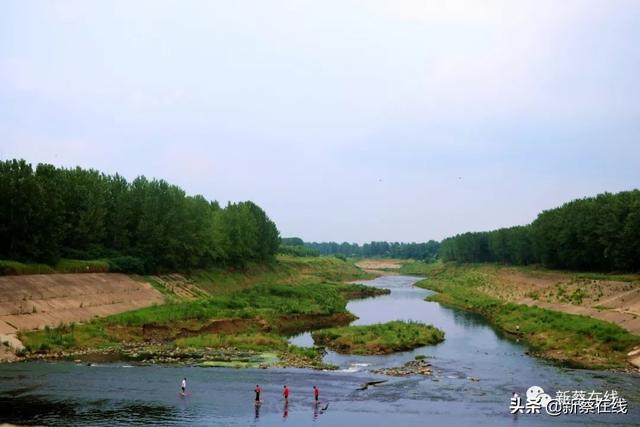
{"type": "Point", "coordinates": [249, 311]}
{"type": "Point", "coordinates": [574, 340]}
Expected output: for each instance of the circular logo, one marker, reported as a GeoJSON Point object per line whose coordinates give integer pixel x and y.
{"type": "Point", "coordinates": [536, 394]}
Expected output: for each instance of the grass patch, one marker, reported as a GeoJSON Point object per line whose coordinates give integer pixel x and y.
{"type": "Point", "coordinates": [66, 337]}
{"type": "Point", "coordinates": [14, 268]}
{"type": "Point", "coordinates": [251, 341]}
{"type": "Point", "coordinates": [381, 338]}
{"type": "Point", "coordinates": [286, 270]}
{"type": "Point", "coordinates": [262, 300]}
{"type": "Point", "coordinates": [8, 267]}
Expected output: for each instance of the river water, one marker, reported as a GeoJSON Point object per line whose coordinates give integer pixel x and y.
{"type": "Point", "coordinates": [118, 394]}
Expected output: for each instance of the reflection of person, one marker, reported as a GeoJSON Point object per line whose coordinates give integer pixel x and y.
{"type": "Point", "coordinates": [316, 393]}
{"type": "Point", "coordinates": [183, 385]}
{"type": "Point", "coordinates": [285, 393]}
{"type": "Point", "coordinates": [258, 391]}
{"type": "Point", "coordinates": [285, 411]}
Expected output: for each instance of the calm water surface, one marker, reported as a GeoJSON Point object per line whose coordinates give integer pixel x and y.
{"type": "Point", "coordinates": [118, 394]}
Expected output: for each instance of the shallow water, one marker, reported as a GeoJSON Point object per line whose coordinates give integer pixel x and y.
{"type": "Point", "coordinates": [64, 393]}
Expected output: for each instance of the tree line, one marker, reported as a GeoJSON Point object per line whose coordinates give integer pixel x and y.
{"type": "Point", "coordinates": [421, 251]}
{"type": "Point", "coordinates": [48, 213]}
{"type": "Point", "coordinates": [595, 233]}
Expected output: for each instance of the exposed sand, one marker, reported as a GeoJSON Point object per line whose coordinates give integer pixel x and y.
{"type": "Point", "coordinates": [39, 300]}
{"type": "Point", "coordinates": [379, 266]}
{"type": "Point", "coordinates": [611, 300]}
{"type": "Point", "coordinates": [615, 300]}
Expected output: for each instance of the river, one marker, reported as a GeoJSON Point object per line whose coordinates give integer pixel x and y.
{"type": "Point", "coordinates": [118, 394]}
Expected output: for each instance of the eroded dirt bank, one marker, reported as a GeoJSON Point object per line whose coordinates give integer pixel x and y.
{"type": "Point", "coordinates": [35, 301]}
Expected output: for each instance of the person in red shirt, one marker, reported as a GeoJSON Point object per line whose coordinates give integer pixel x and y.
{"type": "Point", "coordinates": [316, 393]}
{"type": "Point", "coordinates": [258, 391]}
{"type": "Point", "coordinates": [285, 393]}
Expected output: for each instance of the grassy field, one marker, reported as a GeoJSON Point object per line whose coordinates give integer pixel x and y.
{"type": "Point", "coordinates": [258, 304]}
{"type": "Point", "coordinates": [381, 338]}
{"type": "Point", "coordinates": [287, 270]}
{"type": "Point", "coordinates": [255, 341]}
{"type": "Point", "coordinates": [63, 266]}
{"type": "Point", "coordinates": [573, 339]}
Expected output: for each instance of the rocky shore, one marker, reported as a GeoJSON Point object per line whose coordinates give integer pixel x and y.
{"type": "Point", "coordinates": [162, 354]}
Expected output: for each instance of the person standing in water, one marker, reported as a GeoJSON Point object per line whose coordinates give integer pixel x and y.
{"type": "Point", "coordinates": [183, 386]}
{"type": "Point", "coordinates": [258, 391]}
{"type": "Point", "coordinates": [316, 393]}
{"type": "Point", "coordinates": [285, 393]}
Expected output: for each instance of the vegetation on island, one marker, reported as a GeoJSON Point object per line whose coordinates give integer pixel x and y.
{"type": "Point", "coordinates": [380, 338]}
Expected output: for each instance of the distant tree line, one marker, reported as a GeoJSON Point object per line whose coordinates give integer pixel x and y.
{"type": "Point", "coordinates": [48, 213]}
{"type": "Point", "coordinates": [420, 251]}
{"type": "Point", "coordinates": [595, 233]}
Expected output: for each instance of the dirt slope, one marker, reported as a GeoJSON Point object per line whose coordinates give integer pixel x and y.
{"type": "Point", "coordinates": [616, 301]}
{"type": "Point", "coordinates": [35, 301]}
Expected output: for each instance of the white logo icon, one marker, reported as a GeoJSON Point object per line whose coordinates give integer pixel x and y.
{"type": "Point", "coordinates": [536, 395]}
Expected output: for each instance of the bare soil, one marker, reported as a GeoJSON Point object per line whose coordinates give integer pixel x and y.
{"type": "Point", "coordinates": [379, 266]}
{"type": "Point", "coordinates": [35, 301]}
{"type": "Point", "coordinates": [612, 300]}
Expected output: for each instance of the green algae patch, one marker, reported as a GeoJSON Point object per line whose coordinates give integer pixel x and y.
{"type": "Point", "coordinates": [262, 360]}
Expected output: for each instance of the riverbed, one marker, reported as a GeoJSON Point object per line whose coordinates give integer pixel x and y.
{"type": "Point", "coordinates": [118, 394]}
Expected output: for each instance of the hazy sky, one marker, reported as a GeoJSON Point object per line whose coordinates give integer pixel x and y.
{"type": "Point", "coordinates": [345, 120]}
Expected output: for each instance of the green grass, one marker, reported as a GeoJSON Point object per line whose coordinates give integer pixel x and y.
{"type": "Point", "coordinates": [256, 341]}
{"type": "Point", "coordinates": [63, 266]}
{"type": "Point", "coordinates": [381, 338]}
{"type": "Point", "coordinates": [577, 340]}
{"type": "Point", "coordinates": [287, 269]}
{"type": "Point", "coordinates": [66, 337]}
{"type": "Point", "coordinates": [415, 268]}
{"type": "Point", "coordinates": [261, 300]}
{"type": "Point", "coordinates": [14, 267]}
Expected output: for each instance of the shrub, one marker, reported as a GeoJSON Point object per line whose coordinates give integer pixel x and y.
{"type": "Point", "coordinates": [126, 264]}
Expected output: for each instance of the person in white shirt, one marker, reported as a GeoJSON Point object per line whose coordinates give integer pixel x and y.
{"type": "Point", "coordinates": [183, 386]}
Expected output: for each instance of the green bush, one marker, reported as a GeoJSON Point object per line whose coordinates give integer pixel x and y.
{"type": "Point", "coordinates": [13, 267]}
{"type": "Point", "coordinates": [126, 264]}
{"type": "Point", "coordinates": [301, 251]}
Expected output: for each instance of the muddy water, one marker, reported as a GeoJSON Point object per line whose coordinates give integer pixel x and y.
{"type": "Point", "coordinates": [118, 394]}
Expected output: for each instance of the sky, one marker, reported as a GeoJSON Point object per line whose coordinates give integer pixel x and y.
{"type": "Point", "coordinates": [403, 120]}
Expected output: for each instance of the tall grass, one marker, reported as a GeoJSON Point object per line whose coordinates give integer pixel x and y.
{"type": "Point", "coordinates": [63, 266]}
{"type": "Point", "coordinates": [249, 341]}
{"type": "Point", "coordinates": [378, 338]}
